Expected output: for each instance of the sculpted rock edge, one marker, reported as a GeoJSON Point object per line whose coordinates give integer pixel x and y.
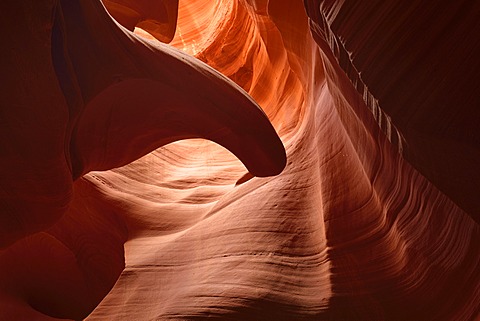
{"type": "Point", "coordinates": [106, 215]}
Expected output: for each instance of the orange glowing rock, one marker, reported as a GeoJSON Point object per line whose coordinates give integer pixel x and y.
{"type": "Point", "coordinates": [159, 18]}
{"type": "Point", "coordinates": [309, 211]}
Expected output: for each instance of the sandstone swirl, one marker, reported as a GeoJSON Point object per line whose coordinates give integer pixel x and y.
{"type": "Point", "coordinates": [106, 215]}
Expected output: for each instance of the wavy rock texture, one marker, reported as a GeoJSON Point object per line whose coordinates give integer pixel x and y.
{"type": "Point", "coordinates": [100, 223]}
{"type": "Point", "coordinates": [429, 51]}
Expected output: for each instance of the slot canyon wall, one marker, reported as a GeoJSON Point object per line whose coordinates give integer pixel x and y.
{"type": "Point", "coordinates": [275, 160]}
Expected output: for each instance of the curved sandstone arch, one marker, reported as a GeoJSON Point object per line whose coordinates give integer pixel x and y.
{"type": "Point", "coordinates": [105, 217]}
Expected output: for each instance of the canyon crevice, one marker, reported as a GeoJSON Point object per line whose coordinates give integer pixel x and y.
{"type": "Point", "coordinates": [239, 160]}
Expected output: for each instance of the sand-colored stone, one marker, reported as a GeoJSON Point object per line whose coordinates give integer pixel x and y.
{"type": "Point", "coordinates": [144, 182]}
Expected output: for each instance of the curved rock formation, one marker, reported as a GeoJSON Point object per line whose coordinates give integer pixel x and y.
{"type": "Point", "coordinates": [106, 217]}
{"type": "Point", "coordinates": [159, 18]}
{"type": "Point", "coordinates": [102, 79]}
{"type": "Point", "coordinates": [429, 51]}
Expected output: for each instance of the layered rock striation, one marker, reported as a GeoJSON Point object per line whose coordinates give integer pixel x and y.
{"type": "Point", "coordinates": [278, 160]}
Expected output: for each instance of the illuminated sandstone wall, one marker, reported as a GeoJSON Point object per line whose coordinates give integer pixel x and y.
{"type": "Point", "coordinates": [107, 216]}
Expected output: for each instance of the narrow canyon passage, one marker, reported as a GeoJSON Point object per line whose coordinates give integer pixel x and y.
{"type": "Point", "coordinates": [170, 197]}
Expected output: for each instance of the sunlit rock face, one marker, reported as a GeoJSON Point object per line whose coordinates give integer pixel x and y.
{"type": "Point", "coordinates": [417, 61]}
{"type": "Point", "coordinates": [106, 215]}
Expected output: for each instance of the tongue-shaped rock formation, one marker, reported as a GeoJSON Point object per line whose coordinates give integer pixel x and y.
{"type": "Point", "coordinates": [106, 215]}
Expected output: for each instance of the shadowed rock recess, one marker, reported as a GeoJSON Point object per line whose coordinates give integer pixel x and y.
{"type": "Point", "coordinates": [239, 160]}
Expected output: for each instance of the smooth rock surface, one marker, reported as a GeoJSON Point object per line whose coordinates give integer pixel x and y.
{"type": "Point", "coordinates": [334, 208]}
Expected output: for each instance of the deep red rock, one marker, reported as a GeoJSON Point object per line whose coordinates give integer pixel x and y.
{"type": "Point", "coordinates": [106, 216]}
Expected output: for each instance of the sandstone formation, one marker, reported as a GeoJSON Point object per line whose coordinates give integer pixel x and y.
{"type": "Point", "coordinates": [277, 160]}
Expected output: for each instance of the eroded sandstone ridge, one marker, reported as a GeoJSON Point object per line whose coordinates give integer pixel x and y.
{"type": "Point", "coordinates": [277, 160]}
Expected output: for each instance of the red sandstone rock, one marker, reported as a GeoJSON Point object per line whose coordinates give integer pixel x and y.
{"type": "Point", "coordinates": [159, 18]}
{"type": "Point", "coordinates": [349, 230]}
{"type": "Point", "coordinates": [416, 65]}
